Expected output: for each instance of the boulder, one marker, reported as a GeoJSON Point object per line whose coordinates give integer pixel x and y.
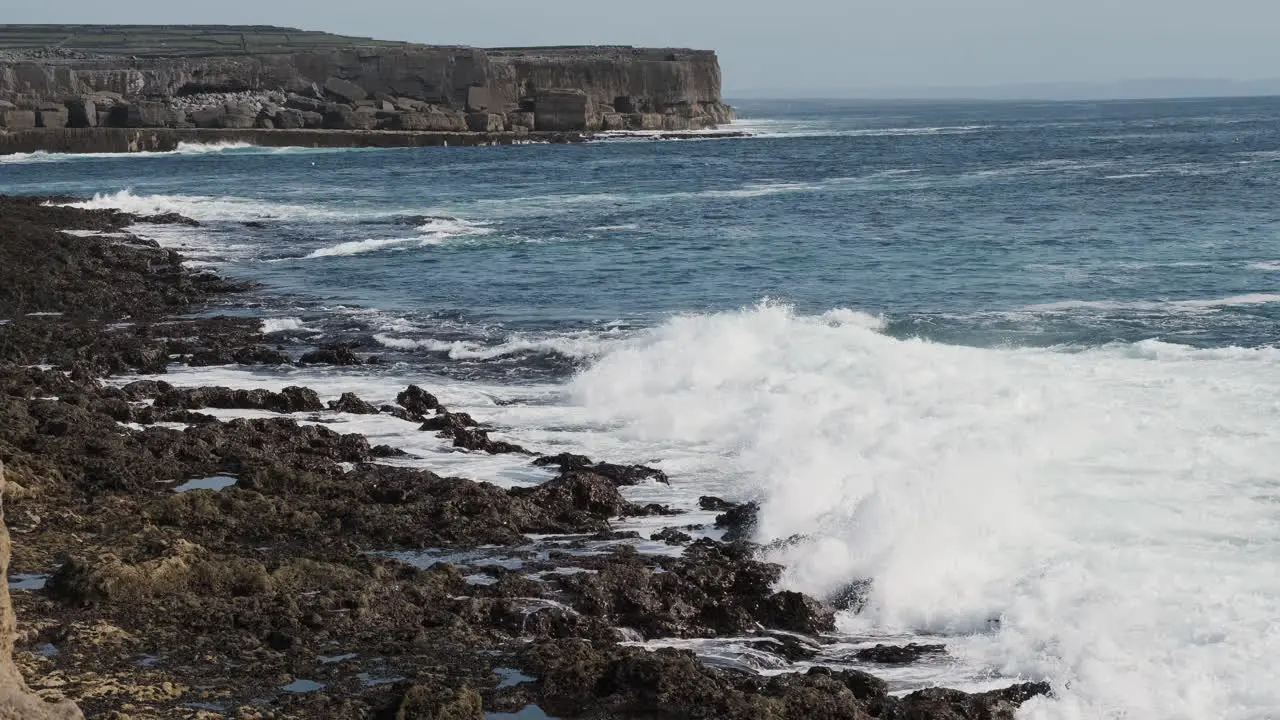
{"type": "Point", "coordinates": [302, 102]}
{"type": "Point", "coordinates": [433, 120]}
{"type": "Point", "coordinates": [561, 110]}
{"type": "Point", "coordinates": [145, 114]}
{"type": "Point", "coordinates": [485, 122]}
{"type": "Point", "coordinates": [612, 121]}
{"type": "Point", "coordinates": [644, 121]}
{"type": "Point", "coordinates": [344, 117]}
{"type": "Point", "coordinates": [289, 120]}
{"type": "Point", "coordinates": [18, 119]}
{"type": "Point", "coordinates": [345, 90]}
{"type": "Point", "coordinates": [520, 119]}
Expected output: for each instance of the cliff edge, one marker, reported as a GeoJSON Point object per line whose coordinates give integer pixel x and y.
{"type": "Point", "coordinates": [237, 77]}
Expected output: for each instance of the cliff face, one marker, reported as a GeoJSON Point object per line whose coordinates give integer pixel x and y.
{"type": "Point", "coordinates": [182, 67]}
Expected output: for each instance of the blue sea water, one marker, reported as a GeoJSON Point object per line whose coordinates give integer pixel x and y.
{"type": "Point", "coordinates": [1014, 363]}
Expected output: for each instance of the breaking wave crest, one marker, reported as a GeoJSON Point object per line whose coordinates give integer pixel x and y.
{"type": "Point", "coordinates": [1035, 505]}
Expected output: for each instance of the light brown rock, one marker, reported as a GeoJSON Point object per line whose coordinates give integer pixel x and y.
{"type": "Point", "coordinates": [17, 702]}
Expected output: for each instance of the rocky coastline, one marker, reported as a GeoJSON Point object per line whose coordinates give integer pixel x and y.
{"type": "Point", "coordinates": [304, 577]}
{"type": "Point", "coordinates": [88, 86]}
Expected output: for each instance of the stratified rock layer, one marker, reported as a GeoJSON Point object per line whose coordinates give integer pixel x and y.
{"type": "Point", "coordinates": [246, 77]}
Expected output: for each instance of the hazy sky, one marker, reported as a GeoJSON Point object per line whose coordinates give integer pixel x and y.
{"type": "Point", "coordinates": [805, 46]}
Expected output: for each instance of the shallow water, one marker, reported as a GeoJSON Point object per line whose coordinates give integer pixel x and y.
{"type": "Point", "coordinates": [1016, 365]}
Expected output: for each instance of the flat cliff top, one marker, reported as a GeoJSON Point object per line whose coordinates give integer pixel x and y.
{"type": "Point", "coordinates": [176, 40]}
{"type": "Point", "coordinates": [77, 41]}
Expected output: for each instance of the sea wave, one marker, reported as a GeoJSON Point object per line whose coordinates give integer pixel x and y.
{"type": "Point", "coordinates": [435, 231]}
{"type": "Point", "coordinates": [1029, 504]}
{"type": "Point", "coordinates": [1198, 304]}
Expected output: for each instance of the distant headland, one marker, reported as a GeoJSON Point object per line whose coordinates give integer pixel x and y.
{"type": "Point", "coordinates": [114, 88]}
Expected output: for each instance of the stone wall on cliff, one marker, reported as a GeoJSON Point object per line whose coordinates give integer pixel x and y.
{"type": "Point", "coordinates": [178, 66]}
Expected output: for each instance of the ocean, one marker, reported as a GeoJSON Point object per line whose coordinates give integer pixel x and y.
{"type": "Point", "coordinates": [1011, 367]}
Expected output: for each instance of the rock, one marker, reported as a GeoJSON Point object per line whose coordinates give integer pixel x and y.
{"type": "Point", "coordinates": [289, 400]}
{"type": "Point", "coordinates": [418, 401]}
{"type": "Point", "coordinates": [898, 654]}
{"type": "Point", "coordinates": [18, 119]}
{"type": "Point", "coordinates": [345, 90]}
{"type": "Point", "coordinates": [82, 112]}
{"type": "Point", "coordinates": [435, 701]}
{"type": "Point", "coordinates": [521, 119]}
{"type": "Point", "coordinates": [613, 121]}
{"type": "Point", "coordinates": [145, 115]}
{"type": "Point", "coordinates": [739, 521]}
{"type": "Point", "coordinates": [343, 117]}
{"type": "Point", "coordinates": [672, 536]}
{"type": "Point", "coordinates": [331, 355]}
{"type": "Point", "coordinates": [52, 117]}
{"type": "Point", "coordinates": [17, 702]}
{"type": "Point", "coordinates": [561, 110]}
{"type": "Point", "coordinates": [715, 504]}
{"type": "Point", "coordinates": [485, 122]}
{"type": "Point", "coordinates": [940, 704]}
{"type": "Point", "coordinates": [401, 413]}
{"type": "Point", "coordinates": [577, 492]}
{"type": "Point", "coordinates": [479, 99]}
{"type": "Point", "coordinates": [305, 104]}
{"type": "Point", "coordinates": [448, 422]}
{"type": "Point", "coordinates": [619, 474]}
{"type": "Point", "coordinates": [350, 403]}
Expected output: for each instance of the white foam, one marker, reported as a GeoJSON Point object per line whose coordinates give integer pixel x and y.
{"type": "Point", "coordinates": [207, 208]}
{"type": "Point", "coordinates": [1152, 305]}
{"type": "Point", "coordinates": [580, 345]}
{"type": "Point", "coordinates": [434, 232]}
{"type": "Point", "coordinates": [1266, 266]}
{"type": "Point", "coordinates": [1115, 510]}
{"type": "Point", "coordinates": [184, 148]}
{"type": "Point", "coordinates": [277, 325]}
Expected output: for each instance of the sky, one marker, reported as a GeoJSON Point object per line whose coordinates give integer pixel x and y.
{"type": "Point", "coordinates": [806, 48]}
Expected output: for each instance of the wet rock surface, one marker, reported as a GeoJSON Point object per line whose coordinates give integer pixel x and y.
{"type": "Point", "coordinates": [315, 582]}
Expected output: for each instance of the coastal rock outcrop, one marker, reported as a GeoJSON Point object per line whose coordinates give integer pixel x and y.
{"type": "Point", "coordinates": [227, 77]}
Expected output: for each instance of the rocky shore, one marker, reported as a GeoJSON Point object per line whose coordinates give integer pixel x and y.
{"type": "Point", "coordinates": [76, 83]}
{"type": "Point", "coordinates": [167, 564]}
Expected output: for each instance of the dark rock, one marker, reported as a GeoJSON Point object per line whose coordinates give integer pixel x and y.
{"type": "Point", "coordinates": [898, 654]}
{"type": "Point", "coordinates": [418, 401]}
{"type": "Point", "coordinates": [739, 521]}
{"type": "Point", "coordinates": [290, 400]}
{"type": "Point", "coordinates": [350, 403]}
{"type": "Point", "coordinates": [401, 413]}
{"type": "Point", "coordinates": [449, 423]}
{"type": "Point", "coordinates": [715, 504]}
{"type": "Point", "coordinates": [345, 90]}
{"type": "Point", "coordinates": [331, 355]}
{"type": "Point", "coordinates": [672, 536]}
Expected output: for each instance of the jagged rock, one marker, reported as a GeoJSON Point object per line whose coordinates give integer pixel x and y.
{"type": "Point", "coordinates": [672, 536]}
{"type": "Point", "coordinates": [290, 400]}
{"type": "Point", "coordinates": [345, 90]}
{"type": "Point", "coordinates": [435, 701]}
{"type": "Point", "coordinates": [343, 117]}
{"type": "Point", "coordinates": [416, 400]}
{"type": "Point", "coordinates": [898, 654]}
{"type": "Point", "coordinates": [82, 112]}
{"type": "Point", "coordinates": [350, 403]}
{"type": "Point", "coordinates": [17, 702]}
{"type": "Point", "coordinates": [619, 474]}
{"type": "Point", "coordinates": [485, 122]}
{"type": "Point", "coordinates": [332, 355]}
{"type": "Point", "coordinates": [739, 521]}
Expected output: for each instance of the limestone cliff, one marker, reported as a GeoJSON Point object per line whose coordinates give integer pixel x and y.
{"type": "Point", "coordinates": [241, 77]}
